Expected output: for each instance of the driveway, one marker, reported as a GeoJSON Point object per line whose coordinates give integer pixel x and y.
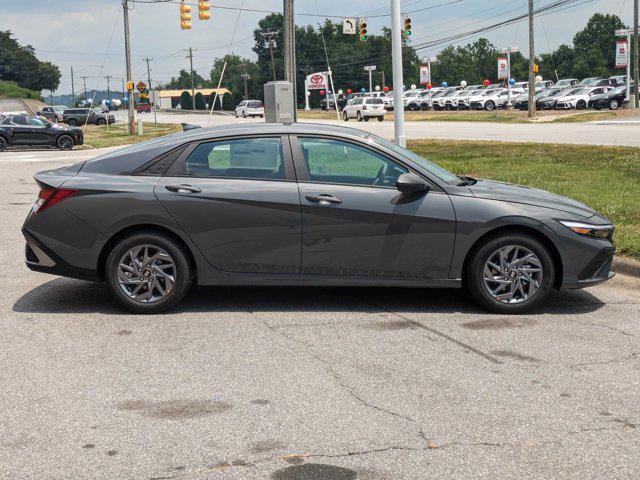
{"type": "Point", "coordinates": [308, 383]}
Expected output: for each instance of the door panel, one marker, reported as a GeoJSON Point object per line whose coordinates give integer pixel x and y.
{"type": "Point", "coordinates": [376, 232]}
{"type": "Point", "coordinates": [239, 223]}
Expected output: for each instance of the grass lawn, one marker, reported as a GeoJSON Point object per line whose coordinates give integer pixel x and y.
{"type": "Point", "coordinates": [114, 135]}
{"type": "Point", "coordinates": [605, 178]}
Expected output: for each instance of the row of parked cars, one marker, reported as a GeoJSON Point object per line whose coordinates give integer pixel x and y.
{"type": "Point", "coordinates": [76, 116]}
{"type": "Point", "coordinates": [570, 93]}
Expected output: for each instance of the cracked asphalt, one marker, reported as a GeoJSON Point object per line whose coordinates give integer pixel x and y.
{"type": "Point", "coordinates": [308, 383]}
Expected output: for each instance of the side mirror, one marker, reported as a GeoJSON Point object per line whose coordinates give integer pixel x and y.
{"type": "Point", "coordinates": [411, 183]}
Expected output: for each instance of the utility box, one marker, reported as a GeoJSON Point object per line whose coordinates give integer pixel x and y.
{"type": "Point", "coordinates": [278, 102]}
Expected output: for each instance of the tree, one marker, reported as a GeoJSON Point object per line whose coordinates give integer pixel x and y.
{"type": "Point", "coordinates": [200, 103]}
{"type": "Point", "coordinates": [19, 64]}
{"type": "Point", "coordinates": [598, 38]}
{"type": "Point", "coordinates": [232, 79]}
{"type": "Point", "coordinates": [184, 81]}
{"type": "Point", "coordinates": [186, 102]}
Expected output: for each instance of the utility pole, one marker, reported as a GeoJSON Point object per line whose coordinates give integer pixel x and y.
{"type": "Point", "coordinates": [532, 61]}
{"type": "Point", "coordinates": [108, 77]}
{"type": "Point", "coordinates": [127, 51]}
{"type": "Point", "coordinates": [398, 81]}
{"type": "Point", "coordinates": [84, 83]}
{"type": "Point", "coordinates": [153, 105]}
{"type": "Point", "coordinates": [51, 97]}
{"type": "Point", "coordinates": [636, 55]}
{"type": "Point", "coordinates": [193, 88]}
{"type": "Point", "coordinates": [269, 37]}
{"type": "Point", "coordinates": [73, 90]}
{"type": "Point", "coordinates": [290, 51]}
{"type": "Point", "coordinates": [245, 77]}
{"type": "Point", "coordinates": [384, 84]}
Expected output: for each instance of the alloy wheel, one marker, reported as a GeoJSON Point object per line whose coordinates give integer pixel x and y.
{"type": "Point", "coordinates": [146, 273]}
{"type": "Point", "coordinates": [65, 142]}
{"type": "Point", "coordinates": [512, 274]}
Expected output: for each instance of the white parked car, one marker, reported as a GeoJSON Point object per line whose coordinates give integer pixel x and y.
{"type": "Point", "coordinates": [410, 96]}
{"type": "Point", "coordinates": [250, 108]}
{"type": "Point", "coordinates": [440, 103]}
{"type": "Point", "coordinates": [462, 101]}
{"type": "Point", "coordinates": [492, 99]}
{"type": "Point", "coordinates": [364, 108]}
{"type": "Point", "coordinates": [578, 98]}
{"type": "Point", "coordinates": [382, 95]}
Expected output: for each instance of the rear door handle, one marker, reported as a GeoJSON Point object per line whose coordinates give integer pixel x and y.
{"type": "Point", "coordinates": [182, 189]}
{"type": "Point", "coordinates": [323, 199]}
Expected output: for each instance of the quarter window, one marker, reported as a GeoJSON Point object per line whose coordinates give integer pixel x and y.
{"type": "Point", "coordinates": [258, 158]}
{"type": "Point", "coordinates": [334, 161]}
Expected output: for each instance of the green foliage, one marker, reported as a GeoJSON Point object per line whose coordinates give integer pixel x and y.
{"type": "Point", "coordinates": [12, 90]}
{"type": "Point", "coordinates": [200, 103]}
{"type": "Point", "coordinates": [19, 64]}
{"type": "Point", "coordinates": [186, 101]}
{"type": "Point", "coordinates": [184, 81]}
{"type": "Point", "coordinates": [232, 79]}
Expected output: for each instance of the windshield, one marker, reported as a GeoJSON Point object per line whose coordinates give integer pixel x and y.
{"type": "Point", "coordinates": [432, 168]}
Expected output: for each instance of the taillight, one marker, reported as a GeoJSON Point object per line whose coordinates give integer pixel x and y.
{"type": "Point", "coordinates": [48, 197]}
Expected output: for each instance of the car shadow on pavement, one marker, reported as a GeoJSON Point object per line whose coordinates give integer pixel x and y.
{"type": "Point", "coordinates": [63, 295]}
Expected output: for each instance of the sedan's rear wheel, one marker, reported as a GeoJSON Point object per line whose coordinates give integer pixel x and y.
{"type": "Point", "coordinates": [148, 273]}
{"type": "Point", "coordinates": [511, 274]}
{"type": "Point", "coordinates": [3, 144]}
{"type": "Point", "coordinates": [65, 142]}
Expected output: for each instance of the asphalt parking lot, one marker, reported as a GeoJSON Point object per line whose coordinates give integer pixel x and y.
{"type": "Point", "coordinates": [307, 383]}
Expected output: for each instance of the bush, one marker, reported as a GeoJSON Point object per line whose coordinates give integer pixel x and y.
{"type": "Point", "coordinates": [12, 90]}
{"type": "Point", "coordinates": [186, 102]}
{"type": "Point", "coordinates": [200, 103]}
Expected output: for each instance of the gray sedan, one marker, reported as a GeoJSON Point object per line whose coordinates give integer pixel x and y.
{"type": "Point", "coordinates": [305, 204]}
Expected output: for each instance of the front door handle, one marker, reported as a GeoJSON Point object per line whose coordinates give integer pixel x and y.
{"type": "Point", "coordinates": [182, 189]}
{"type": "Point", "coordinates": [323, 199]}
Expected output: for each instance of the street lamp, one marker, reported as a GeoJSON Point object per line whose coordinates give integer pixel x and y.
{"type": "Point", "coordinates": [509, 51]}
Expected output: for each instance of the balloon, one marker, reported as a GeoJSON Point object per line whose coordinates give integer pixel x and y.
{"type": "Point", "coordinates": [377, 88]}
{"type": "Point", "coordinates": [444, 84]}
{"type": "Point", "coordinates": [339, 92]}
{"type": "Point", "coordinates": [429, 86]}
{"type": "Point", "coordinates": [328, 92]}
{"type": "Point", "coordinates": [538, 78]}
{"type": "Point", "coordinates": [386, 89]}
{"type": "Point", "coordinates": [348, 91]}
{"type": "Point", "coordinates": [463, 83]}
{"type": "Point", "coordinates": [321, 92]}
{"type": "Point", "coordinates": [486, 83]}
{"type": "Point", "coordinates": [363, 89]}
{"type": "Point", "coordinates": [413, 86]}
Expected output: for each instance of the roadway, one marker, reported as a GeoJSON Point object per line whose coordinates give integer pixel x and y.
{"type": "Point", "coordinates": [622, 133]}
{"type": "Point", "coordinates": [307, 383]}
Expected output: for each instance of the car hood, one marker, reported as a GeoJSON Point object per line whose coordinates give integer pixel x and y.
{"type": "Point", "coordinates": [507, 192]}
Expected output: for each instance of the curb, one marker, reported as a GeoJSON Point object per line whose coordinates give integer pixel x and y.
{"type": "Point", "coordinates": [626, 266]}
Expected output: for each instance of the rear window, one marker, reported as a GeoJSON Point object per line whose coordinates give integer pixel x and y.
{"type": "Point", "coordinates": [375, 101]}
{"type": "Point", "coordinates": [255, 104]}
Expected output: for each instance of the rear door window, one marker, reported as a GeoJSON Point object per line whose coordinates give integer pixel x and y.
{"type": "Point", "coordinates": [255, 158]}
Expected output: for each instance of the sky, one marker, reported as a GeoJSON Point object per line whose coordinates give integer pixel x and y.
{"type": "Point", "coordinates": [88, 34]}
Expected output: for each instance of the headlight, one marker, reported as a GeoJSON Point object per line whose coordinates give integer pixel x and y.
{"type": "Point", "coordinates": [588, 229]}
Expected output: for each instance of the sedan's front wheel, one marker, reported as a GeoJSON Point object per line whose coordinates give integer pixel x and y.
{"type": "Point", "coordinates": [148, 273]}
{"type": "Point", "coordinates": [65, 142]}
{"type": "Point", "coordinates": [513, 273]}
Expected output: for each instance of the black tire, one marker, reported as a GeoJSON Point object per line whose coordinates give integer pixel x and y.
{"type": "Point", "coordinates": [490, 106]}
{"type": "Point", "coordinates": [261, 116]}
{"type": "Point", "coordinates": [182, 275]}
{"type": "Point", "coordinates": [3, 144]}
{"type": "Point", "coordinates": [244, 114]}
{"type": "Point", "coordinates": [381, 119]}
{"type": "Point", "coordinates": [614, 104]}
{"type": "Point", "coordinates": [65, 142]}
{"type": "Point", "coordinates": [72, 122]}
{"type": "Point", "coordinates": [101, 121]}
{"type": "Point", "coordinates": [581, 105]}
{"type": "Point", "coordinates": [474, 277]}
{"type": "Point", "coordinates": [366, 119]}
{"type": "Point", "coordinates": [359, 116]}
{"type": "Point", "coordinates": [345, 116]}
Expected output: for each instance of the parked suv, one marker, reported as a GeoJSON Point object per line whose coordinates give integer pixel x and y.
{"type": "Point", "coordinates": [364, 108]}
{"type": "Point", "coordinates": [82, 116]}
{"type": "Point", "coordinates": [250, 108]}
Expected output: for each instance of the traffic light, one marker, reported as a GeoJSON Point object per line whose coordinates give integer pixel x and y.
{"type": "Point", "coordinates": [204, 9]}
{"type": "Point", "coordinates": [185, 16]}
{"type": "Point", "coordinates": [363, 30]}
{"type": "Point", "coordinates": [407, 27]}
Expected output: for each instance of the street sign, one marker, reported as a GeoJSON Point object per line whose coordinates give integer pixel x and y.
{"type": "Point", "coordinates": [424, 75]}
{"type": "Point", "coordinates": [349, 26]}
{"type": "Point", "coordinates": [622, 54]}
{"type": "Point", "coordinates": [503, 68]}
{"type": "Point", "coordinates": [370, 68]}
{"type": "Point", "coordinates": [317, 81]}
{"type": "Point", "coordinates": [141, 86]}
